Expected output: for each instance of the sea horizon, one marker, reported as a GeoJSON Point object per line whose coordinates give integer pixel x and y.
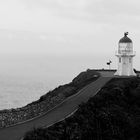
{"type": "Point", "coordinates": [24, 78]}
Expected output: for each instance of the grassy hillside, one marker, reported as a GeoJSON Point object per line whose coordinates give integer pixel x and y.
{"type": "Point", "coordinates": [112, 114]}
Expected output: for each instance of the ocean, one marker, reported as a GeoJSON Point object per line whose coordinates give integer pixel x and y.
{"type": "Point", "coordinates": [17, 91]}
{"type": "Point", "coordinates": [25, 77]}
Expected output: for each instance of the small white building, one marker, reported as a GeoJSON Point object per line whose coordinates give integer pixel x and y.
{"type": "Point", "coordinates": [125, 56]}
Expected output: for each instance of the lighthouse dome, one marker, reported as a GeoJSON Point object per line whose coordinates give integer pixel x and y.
{"type": "Point", "coordinates": [125, 39]}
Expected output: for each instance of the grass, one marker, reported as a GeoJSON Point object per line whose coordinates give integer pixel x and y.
{"type": "Point", "coordinates": [112, 114]}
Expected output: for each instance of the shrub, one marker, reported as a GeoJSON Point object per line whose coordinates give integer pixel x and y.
{"type": "Point", "coordinates": [108, 116]}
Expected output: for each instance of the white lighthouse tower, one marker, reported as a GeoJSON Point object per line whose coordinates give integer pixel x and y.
{"type": "Point", "coordinates": [125, 56]}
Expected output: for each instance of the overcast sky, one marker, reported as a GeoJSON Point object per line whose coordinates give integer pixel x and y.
{"type": "Point", "coordinates": [51, 41]}
{"type": "Point", "coordinates": [68, 27]}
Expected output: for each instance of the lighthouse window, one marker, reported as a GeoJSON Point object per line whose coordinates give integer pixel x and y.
{"type": "Point", "coordinates": [119, 60]}
{"type": "Point", "coordinates": [130, 60]}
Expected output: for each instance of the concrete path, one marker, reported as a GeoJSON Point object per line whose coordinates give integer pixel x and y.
{"type": "Point", "coordinates": [107, 73]}
{"type": "Point", "coordinates": [58, 113]}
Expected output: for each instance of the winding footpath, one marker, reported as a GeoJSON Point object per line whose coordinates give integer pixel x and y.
{"type": "Point", "coordinates": [58, 113]}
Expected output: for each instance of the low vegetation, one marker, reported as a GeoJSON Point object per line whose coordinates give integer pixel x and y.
{"type": "Point", "coordinates": [112, 114]}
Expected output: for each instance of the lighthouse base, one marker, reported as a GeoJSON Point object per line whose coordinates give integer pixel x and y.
{"type": "Point", "coordinates": [125, 65]}
{"type": "Point", "coordinates": [117, 73]}
{"type": "Point", "coordinates": [125, 70]}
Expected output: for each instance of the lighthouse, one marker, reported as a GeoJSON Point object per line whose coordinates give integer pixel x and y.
{"type": "Point", "coordinates": [125, 56]}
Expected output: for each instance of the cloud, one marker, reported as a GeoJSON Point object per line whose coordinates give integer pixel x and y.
{"type": "Point", "coordinates": [67, 16]}
{"type": "Point", "coordinates": [70, 16]}
{"type": "Point", "coordinates": [71, 4]}
{"type": "Point", "coordinates": [88, 10]}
